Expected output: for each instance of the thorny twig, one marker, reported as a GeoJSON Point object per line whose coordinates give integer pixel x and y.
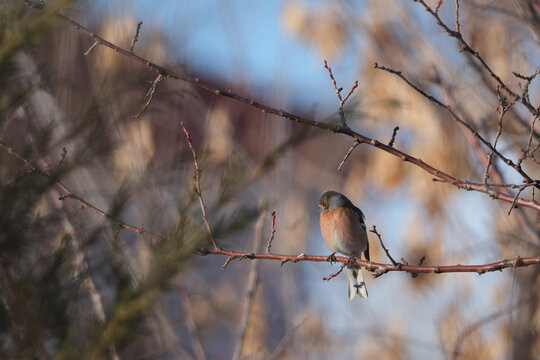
{"type": "Point", "coordinates": [197, 182]}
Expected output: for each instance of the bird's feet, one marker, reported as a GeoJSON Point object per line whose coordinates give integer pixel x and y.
{"type": "Point", "coordinates": [332, 258]}
{"type": "Point", "coordinates": [351, 261]}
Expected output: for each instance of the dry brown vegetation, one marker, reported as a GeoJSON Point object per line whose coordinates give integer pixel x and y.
{"type": "Point", "coordinates": [119, 169]}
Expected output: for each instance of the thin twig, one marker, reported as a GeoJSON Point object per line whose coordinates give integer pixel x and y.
{"type": "Point", "coordinates": [457, 17]}
{"type": "Point", "coordinates": [149, 96]}
{"type": "Point", "coordinates": [474, 53]}
{"type": "Point", "coordinates": [338, 94]}
{"type": "Point", "coordinates": [272, 232]}
{"type": "Point", "coordinates": [197, 182]}
{"type": "Point", "coordinates": [96, 43]}
{"type": "Point", "coordinates": [514, 202]}
{"type": "Point", "coordinates": [355, 144]}
{"type": "Point", "coordinates": [527, 152]}
{"type": "Point", "coordinates": [394, 133]}
{"type": "Point", "coordinates": [136, 37]}
{"type": "Point", "coordinates": [374, 230]}
{"type": "Point", "coordinates": [457, 118]}
{"type": "Point", "coordinates": [336, 273]}
{"type": "Point", "coordinates": [501, 111]}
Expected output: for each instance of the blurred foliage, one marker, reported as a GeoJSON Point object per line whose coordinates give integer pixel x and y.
{"type": "Point", "coordinates": [75, 285]}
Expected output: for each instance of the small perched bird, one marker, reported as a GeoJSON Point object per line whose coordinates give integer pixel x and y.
{"type": "Point", "coordinates": [344, 231]}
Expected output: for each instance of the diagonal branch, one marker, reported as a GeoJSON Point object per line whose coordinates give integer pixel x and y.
{"type": "Point", "coordinates": [474, 53]}
{"type": "Point", "coordinates": [458, 119]}
{"type": "Point", "coordinates": [308, 122]}
{"type": "Point", "coordinates": [70, 194]}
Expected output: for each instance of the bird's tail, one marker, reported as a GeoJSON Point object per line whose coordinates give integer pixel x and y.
{"type": "Point", "coordinates": [356, 283]}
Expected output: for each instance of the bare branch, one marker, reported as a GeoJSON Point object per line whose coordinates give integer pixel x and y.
{"type": "Point", "coordinates": [501, 111]}
{"type": "Point", "coordinates": [197, 182]}
{"type": "Point", "coordinates": [84, 204]}
{"type": "Point", "coordinates": [136, 37]}
{"type": "Point", "coordinates": [279, 112]}
{"type": "Point", "coordinates": [457, 17]}
{"type": "Point", "coordinates": [374, 230]}
{"type": "Point", "coordinates": [394, 133]}
{"type": "Point", "coordinates": [528, 152]}
{"type": "Point", "coordinates": [338, 94]}
{"type": "Point", "coordinates": [149, 95]}
{"type": "Point", "coordinates": [458, 119]}
{"type": "Point", "coordinates": [474, 53]}
{"type": "Point", "coordinates": [330, 277]}
{"type": "Point", "coordinates": [96, 43]}
{"type": "Point", "coordinates": [355, 144]}
{"type": "Point", "coordinates": [380, 267]}
{"type": "Point", "coordinates": [272, 232]}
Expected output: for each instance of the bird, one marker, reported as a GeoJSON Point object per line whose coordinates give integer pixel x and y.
{"type": "Point", "coordinates": [344, 231]}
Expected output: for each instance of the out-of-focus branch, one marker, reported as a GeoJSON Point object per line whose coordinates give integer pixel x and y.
{"type": "Point", "coordinates": [502, 109]}
{"type": "Point", "coordinates": [253, 280]}
{"type": "Point", "coordinates": [458, 119]}
{"type": "Point", "coordinates": [149, 96]}
{"type": "Point", "coordinates": [494, 171]}
{"type": "Point", "coordinates": [468, 49]}
{"type": "Point", "coordinates": [460, 339]}
{"type": "Point", "coordinates": [136, 37]}
{"type": "Point", "coordinates": [324, 126]}
{"type": "Point", "coordinates": [190, 323]}
{"type": "Point", "coordinates": [197, 182]}
{"type": "Point", "coordinates": [85, 204]}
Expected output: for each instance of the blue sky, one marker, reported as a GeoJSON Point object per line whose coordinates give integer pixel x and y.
{"type": "Point", "coordinates": [245, 40]}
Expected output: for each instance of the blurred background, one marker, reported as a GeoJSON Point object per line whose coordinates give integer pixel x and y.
{"type": "Point", "coordinates": [75, 285]}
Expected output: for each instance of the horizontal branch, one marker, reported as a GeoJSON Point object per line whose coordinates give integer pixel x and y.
{"type": "Point", "coordinates": [323, 126]}
{"type": "Point", "coordinates": [379, 268]}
